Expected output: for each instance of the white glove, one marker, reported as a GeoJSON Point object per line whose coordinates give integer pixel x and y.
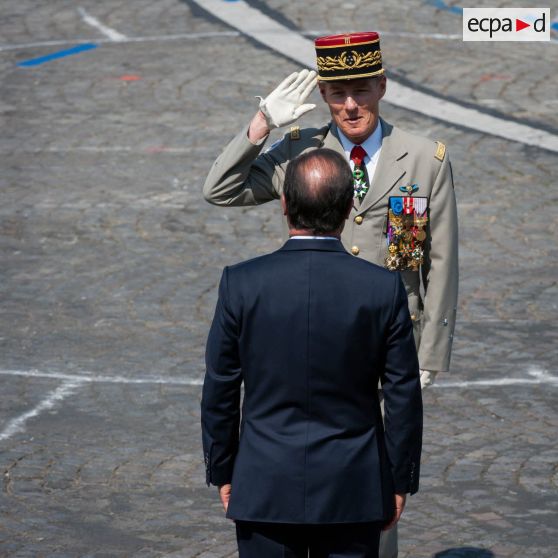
{"type": "Point", "coordinates": [427, 378]}
{"type": "Point", "coordinates": [285, 103]}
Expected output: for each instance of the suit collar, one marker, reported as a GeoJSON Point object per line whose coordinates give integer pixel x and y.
{"type": "Point", "coordinates": [324, 245]}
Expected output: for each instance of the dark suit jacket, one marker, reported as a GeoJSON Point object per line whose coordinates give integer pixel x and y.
{"type": "Point", "coordinates": [310, 330]}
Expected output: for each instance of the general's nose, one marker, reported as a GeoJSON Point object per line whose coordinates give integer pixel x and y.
{"type": "Point", "coordinates": [350, 103]}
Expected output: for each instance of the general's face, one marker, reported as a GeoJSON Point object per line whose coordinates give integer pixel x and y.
{"type": "Point", "coordinates": [354, 105]}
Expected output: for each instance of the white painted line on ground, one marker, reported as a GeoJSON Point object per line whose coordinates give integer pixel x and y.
{"type": "Point", "coordinates": [538, 378]}
{"type": "Point", "coordinates": [62, 42]}
{"type": "Point", "coordinates": [183, 36]}
{"type": "Point", "coordinates": [435, 36]}
{"type": "Point", "coordinates": [407, 34]}
{"type": "Point", "coordinates": [112, 34]}
{"type": "Point", "coordinates": [552, 381]}
{"type": "Point", "coordinates": [538, 372]}
{"type": "Point", "coordinates": [88, 377]}
{"type": "Point", "coordinates": [114, 149]}
{"type": "Point", "coordinates": [18, 424]}
{"type": "Point", "coordinates": [107, 149]}
{"type": "Point", "coordinates": [262, 28]}
{"type": "Point", "coordinates": [154, 38]}
{"type": "Point", "coordinates": [207, 35]}
{"type": "Point", "coordinates": [272, 34]}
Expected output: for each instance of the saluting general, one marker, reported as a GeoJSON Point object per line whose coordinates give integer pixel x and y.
{"type": "Point", "coordinates": [404, 215]}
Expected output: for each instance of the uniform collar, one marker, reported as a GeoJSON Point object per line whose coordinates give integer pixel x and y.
{"type": "Point", "coordinates": [372, 144]}
{"type": "Point", "coordinates": [390, 165]}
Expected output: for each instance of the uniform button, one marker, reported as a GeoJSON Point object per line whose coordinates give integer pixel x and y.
{"type": "Point", "coordinates": [413, 317]}
{"type": "Point", "coordinates": [359, 219]}
{"type": "Point", "coordinates": [355, 250]}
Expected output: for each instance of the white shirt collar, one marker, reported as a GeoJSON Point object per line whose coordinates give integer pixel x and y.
{"type": "Point", "coordinates": [372, 144]}
{"type": "Point", "coordinates": [302, 237]}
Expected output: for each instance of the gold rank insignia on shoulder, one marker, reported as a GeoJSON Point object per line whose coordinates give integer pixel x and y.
{"type": "Point", "coordinates": [295, 132]}
{"type": "Point", "coordinates": [440, 151]}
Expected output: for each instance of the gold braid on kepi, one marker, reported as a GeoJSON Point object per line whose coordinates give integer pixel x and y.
{"type": "Point", "coordinates": [350, 56]}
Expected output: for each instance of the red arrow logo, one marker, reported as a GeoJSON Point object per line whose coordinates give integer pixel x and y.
{"type": "Point", "coordinates": [519, 25]}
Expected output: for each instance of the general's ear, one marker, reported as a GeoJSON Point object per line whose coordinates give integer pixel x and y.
{"type": "Point", "coordinates": [382, 85]}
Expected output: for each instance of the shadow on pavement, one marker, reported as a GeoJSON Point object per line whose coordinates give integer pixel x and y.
{"type": "Point", "coordinates": [465, 552]}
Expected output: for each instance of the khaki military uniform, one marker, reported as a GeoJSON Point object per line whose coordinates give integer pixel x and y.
{"type": "Point", "coordinates": [242, 175]}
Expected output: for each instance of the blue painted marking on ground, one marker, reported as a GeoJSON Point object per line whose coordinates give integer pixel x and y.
{"type": "Point", "coordinates": [56, 55]}
{"type": "Point", "coordinates": [441, 5]}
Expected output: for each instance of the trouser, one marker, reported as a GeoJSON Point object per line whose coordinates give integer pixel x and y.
{"type": "Point", "coordinates": [282, 540]}
{"type": "Point", "coordinates": [388, 543]}
{"type": "Point", "coordinates": [388, 539]}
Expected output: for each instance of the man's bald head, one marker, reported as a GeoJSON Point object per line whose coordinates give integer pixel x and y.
{"type": "Point", "coordinates": [318, 192]}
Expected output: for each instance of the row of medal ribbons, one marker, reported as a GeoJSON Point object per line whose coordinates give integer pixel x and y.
{"type": "Point", "coordinates": [406, 232]}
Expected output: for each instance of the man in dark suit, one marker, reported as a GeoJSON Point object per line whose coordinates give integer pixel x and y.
{"type": "Point", "coordinates": [309, 465]}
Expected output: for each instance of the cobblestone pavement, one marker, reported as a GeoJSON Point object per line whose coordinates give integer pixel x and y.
{"type": "Point", "coordinates": [110, 261]}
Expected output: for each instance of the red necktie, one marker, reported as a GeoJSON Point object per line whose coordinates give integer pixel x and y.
{"type": "Point", "coordinates": [359, 173]}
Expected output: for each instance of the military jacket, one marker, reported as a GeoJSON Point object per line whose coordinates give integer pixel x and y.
{"type": "Point", "coordinates": [409, 166]}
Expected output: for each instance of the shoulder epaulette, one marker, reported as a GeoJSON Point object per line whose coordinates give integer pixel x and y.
{"type": "Point", "coordinates": [440, 151]}
{"type": "Point", "coordinates": [295, 132]}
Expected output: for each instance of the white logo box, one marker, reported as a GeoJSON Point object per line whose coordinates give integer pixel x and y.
{"type": "Point", "coordinates": [506, 24]}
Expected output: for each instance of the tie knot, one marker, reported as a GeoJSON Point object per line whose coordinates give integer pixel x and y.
{"type": "Point", "coordinates": [358, 154]}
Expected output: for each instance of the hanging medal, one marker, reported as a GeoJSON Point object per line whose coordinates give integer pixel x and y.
{"type": "Point", "coordinates": [359, 182]}
{"type": "Point", "coordinates": [420, 218]}
{"type": "Point", "coordinates": [407, 221]}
